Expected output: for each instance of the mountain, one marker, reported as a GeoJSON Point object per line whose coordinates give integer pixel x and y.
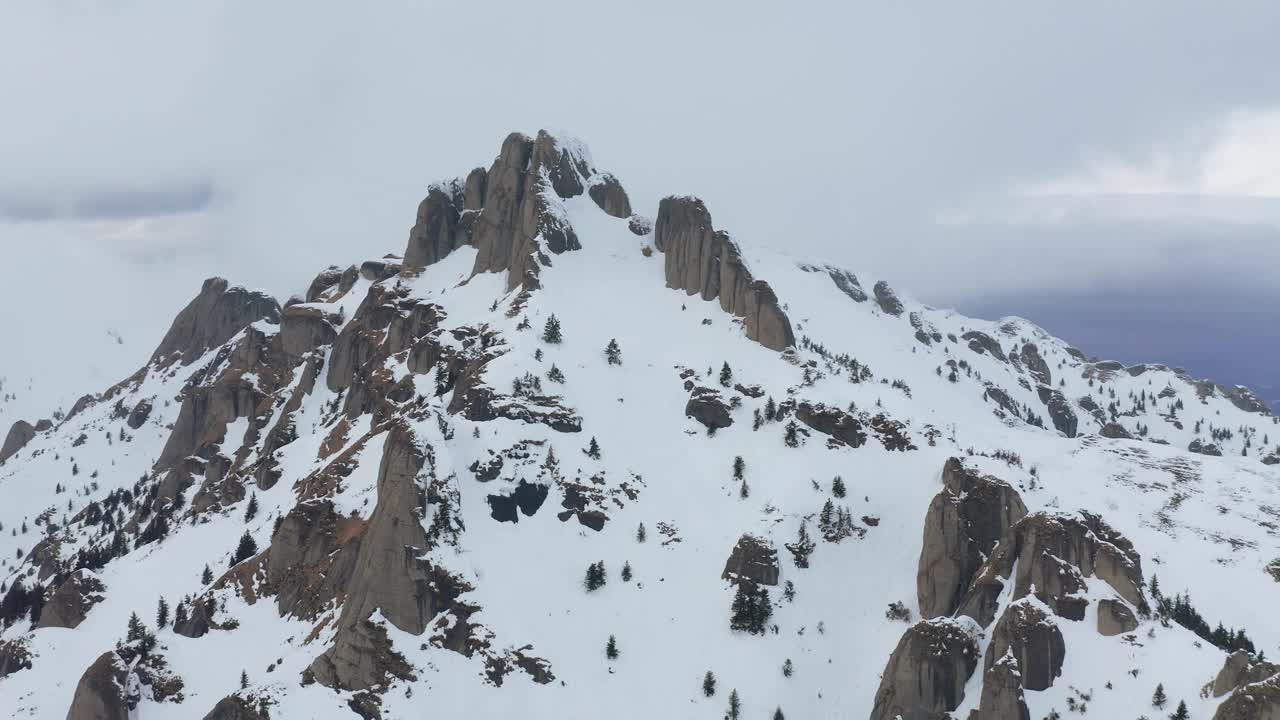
{"type": "Point", "coordinates": [563, 459]}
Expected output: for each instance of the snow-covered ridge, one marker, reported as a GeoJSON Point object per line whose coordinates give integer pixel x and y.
{"type": "Point", "coordinates": [400, 481]}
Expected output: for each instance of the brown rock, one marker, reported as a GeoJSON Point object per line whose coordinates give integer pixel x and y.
{"type": "Point", "coordinates": [436, 232]}
{"type": "Point", "coordinates": [832, 421]}
{"type": "Point", "coordinates": [20, 433]}
{"type": "Point", "coordinates": [71, 602]}
{"type": "Point", "coordinates": [753, 560]}
{"type": "Point", "coordinates": [640, 225]}
{"type": "Point", "coordinates": [304, 328]}
{"type": "Point", "coordinates": [608, 195]}
{"type": "Point", "coordinates": [238, 707]}
{"type": "Point", "coordinates": [14, 656]}
{"type": "Point", "coordinates": [313, 553]}
{"type": "Point", "coordinates": [708, 407]}
{"type": "Point", "coordinates": [1036, 365]}
{"type": "Point", "coordinates": [1002, 695]}
{"type": "Point", "coordinates": [926, 674]}
{"type": "Point", "coordinates": [1115, 618]}
{"type": "Point", "coordinates": [1032, 637]}
{"type": "Point", "coordinates": [1115, 431]}
{"type": "Point", "coordinates": [139, 414]}
{"type": "Point", "coordinates": [1259, 701]}
{"type": "Point", "coordinates": [213, 318]}
{"type": "Point", "coordinates": [101, 693]}
{"type": "Point", "coordinates": [1241, 669]}
{"type": "Point", "coordinates": [327, 279]}
{"type": "Point", "coordinates": [964, 523]}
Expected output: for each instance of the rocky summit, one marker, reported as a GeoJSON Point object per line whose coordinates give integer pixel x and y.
{"type": "Point", "coordinates": [564, 455]}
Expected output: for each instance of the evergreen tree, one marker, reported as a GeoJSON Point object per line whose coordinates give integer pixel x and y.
{"type": "Point", "coordinates": [252, 510]}
{"type": "Point", "coordinates": [206, 577]}
{"type": "Point", "coordinates": [709, 684]}
{"type": "Point", "coordinates": [735, 706]}
{"type": "Point", "coordinates": [246, 549]}
{"type": "Point", "coordinates": [787, 668]}
{"type": "Point", "coordinates": [611, 648]}
{"type": "Point", "coordinates": [593, 449]}
{"type": "Point", "coordinates": [244, 680]}
{"type": "Point", "coordinates": [777, 714]}
{"type": "Point", "coordinates": [551, 331]}
{"type": "Point", "coordinates": [1158, 699]}
{"type": "Point", "coordinates": [789, 591]}
{"type": "Point", "coordinates": [139, 634]}
{"type": "Point", "coordinates": [180, 614]}
{"type": "Point", "coordinates": [792, 436]}
{"type": "Point", "coordinates": [596, 577]}
{"type": "Point", "coordinates": [1181, 713]}
{"type": "Point", "coordinates": [739, 466]}
{"type": "Point", "coordinates": [802, 548]}
{"type": "Point", "coordinates": [626, 572]}
{"type": "Point", "coordinates": [770, 409]}
{"type": "Point", "coordinates": [162, 613]}
{"type": "Point", "coordinates": [613, 353]}
{"type": "Point", "coordinates": [640, 533]}
{"type": "Point", "coordinates": [744, 492]}
{"type": "Point", "coordinates": [726, 375]}
{"type": "Point", "coordinates": [555, 374]}
{"type": "Point", "coordinates": [837, 486]}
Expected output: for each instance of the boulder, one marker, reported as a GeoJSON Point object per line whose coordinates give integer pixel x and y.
{"type": "Point", "coordinates": [1241, 669]}
{"type": "Point", "coordinates": [239, 707]}
{"type": "Point", "coordinates": [212, 318]}
{"type": "Point", "coordinates": [1115, 618]}
{"type": "Point", "coordinates": [964, 522]}
{"type": "Point", "coordinates": [640, 225]}
{"type": "Point", "coordinates": [1059, 409]}
{"type": "Point", "coordinates": [71, 602]}
{"type": "Point", "coordinates": [1258, 701]}
{"type": "Point", "coordinates": [1031, 636]}
{"type": "Point", "coordinates": [608, 195]}
{"type": "Point", "coordinates": [14, 656]}
{"type": "Point", "coordinates": [1115, 431]}
{"type": "Point", "coordinates": [983, 343]}
{"type": "Point", "coordinates": [1002, 695]}
{"type": "Point", "coordinates": [753, 560]}
{"type": "Point", "coordinates": [926, 674]}
{"type": "Point", "coordinates": [832, 421]}
{"type": "Point", "coordinates": [20, 433]}
{"type": "Point", "coordinates": [304, 328]}
{"type": "Point", "coordinates": [101, 693]}
{"type": "Point", "coordinates": [139, 414]}
{"type": "Point", "coordinates": [1203, 448]}
{"type": "Point", "coordinates": [1053, 553]}
{"type": "Point", "coordinates": [707, 406]}
{"type": "Point", "coordinates": [323, 282]}
{"type": "Point", "coordinates": [887, 299]}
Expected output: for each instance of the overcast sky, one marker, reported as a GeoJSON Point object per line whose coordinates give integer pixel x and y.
{"type": "Point", "coordinates": [970, 154]}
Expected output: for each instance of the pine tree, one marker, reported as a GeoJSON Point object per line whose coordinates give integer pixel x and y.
{"type": "Point", "coordinates": [244, 680]}
{"type": "Point", "coordinates": [611, 648]}
{"type": "Point", "coordinates": [626, 572]}
{"type": "Point", "coordinates": [739, 466]}
{"type": "Point", "coordinates": [792, 436]}
{"type": "Point", "coordinates": [596, 576]}
{"type": "Point", "coordinates": [789, 591]}
{"type": "Point", "coordinates": [613, 353]}
{"type": "Point", "coordinates": [777, 714]}
{"type": "Point", "coordinates": [787, 668]}
{"type": "Point", "coordinates": [709, 684]}
{"type": "Point", "coordinates": [252, 510]}
{"type": "Point", "coordinates": [744, 491]}
{"type": "Point", "coordinates": [1158, 699]}
{"type": "Point", "coordinates": [246, 549]}
{"type": "Point", "coordinates": [735, 706]}
{"type": "Point", "coordinates": [640, 533]}
{"type": "Point", "coordinates": [180, 614]}
{"type": "Point", "coordinates": [162, 613]}
{"type": "Point", "coordinates": [802, 548]}
{"type": "Point", "coordinates": [593, 449]}
{"type": "Point", "coordinates": [551, 331]}
{"type": "Point", "coordinates": [726, 375]}
{"type": "Point", "coordinates": [206, 577]}
{"type": "Point", "coordinates": [837, 486]}
{"type": "Point", "coordinates": [555, 374]}
{"type": "Point", "coordinates": [770, 409]}
{"type": "Point", "coordinates": [1181, 713]}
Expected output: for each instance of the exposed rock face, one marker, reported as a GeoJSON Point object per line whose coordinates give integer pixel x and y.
{"type": "Point", "coordinates": [101, 693]}
{"type": "Point", "coordinates": [640, 225]}
{"type": "Point", "coordinates": [981, 342]}
{"type": "Point", "coordinates": [1054, 553]}
{"type": "Point", "coordinates": [1002, 695]}
{"type": "Point", "coordinates": [80, 405]}
{"type": "Point", "coordinates": [845, 281]}
{"type": "Point", "coordinates": [926, 674]}
{"type": "Point", "coordinates": [139, 414]}
{"type": "Point", "coordinates": [437, 231]}
{"type": "Point", "coordinates": [1115, 618]}
{"type": "Point", "coordinates": [707, 263]}
{"type": "Point", "coordinates": [304, 328]}
{"type": "Point", "coordinates": [20, 433]}
{"type": "Point", "coordinates": [1204, 448]}
{"type": "Point", "coordinates": [1241, 669]}
{"type": "Point", "coordinates": [1001, 398]}
{"type": "Point", "coordinates": [1064, 418]}
{"type": "Point", "coordinates": [1036, 365]}
{"type": "Point", "coordinates": [212, 318]}
{"type": "Point", "coordinates": [14, 657]}
{"type": "Point", "coordinates": [964, 522]}
{"type": "Point", "coordinates": [708, 407]}
{"type": "Point", "coordinates": [1259, 701]}
{"type": "Point", "coordinates": [313, 554]}
{"type": "Point", "coordinates": [753, 560]}
{"type": "Point", "coordinates": [72, 600]}
{"type": "Point", "coordinates": [887, 299]}
{"type": "Point", "coordinates": [1032, 637]}
{"type": "Point", "coordinates": [607, 193]}
{"type": "Point", "coordinates": [1115, 431]}
{"type": "Point", "coordinates": [237, 707]}
{"type": "Point", "coordinates": [832, 421]}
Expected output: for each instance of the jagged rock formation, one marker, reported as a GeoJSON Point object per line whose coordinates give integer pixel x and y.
{"type": "Point", "coordinates": [1036, 364]}
{"type": "Point", "coordinates": [1115, 618]}
{"type": "Point", "coordinates": [1031, 636]}
{"type": "Point", "coordinates": [102, 691]}
{"type": "Point", "coordinates": [1002, 696]}
{"type": "Point", "coordinates": [14, 656]}
{"type": "Point", "coordinates": [1204, 448]}
{"type": "Point", "coordinates": [1064, 418]}
{"type": "Point", "coordinates": [212, 318]}
{"type": "Point", "coordinates": [887, 299]}
{"type": "Point", "coordinates": [1241, 669]}
{"type": "Point", "coordinates": [20, 433]}
{"type": "Point", "coordinates": [703, 261]}
{"type": "Point", "coordinates": [608, 195]}
{"type": "Point", "coordinates": [963, 524]}
{"type": "Point", "coordinates": [238, 707]}
{"type": "Point", "coordinates": [753, 560]}
{"type": "Point", "coordinates": [71, 602]}
{"type": "Point", "coordinates": [981, 342]}
{"type": "Point", "coordinates": [1115, 431]}
{"type": "Point", "coordinates": [1258, 701]}
{"type": "Point", "coordinates": [832, 421]}
{"type": "Point", "coordinates": [1053, 554]}
{"type": "Point", "coordinates": [926, 674]}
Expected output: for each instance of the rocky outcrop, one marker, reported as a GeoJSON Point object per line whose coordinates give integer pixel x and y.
{"type": "Point", "coordinates": [1002, 695]}
{"type": "Point", "coordinates": [1060, 412]}
{"type": "Point", "coordinates": [887, 299]}
{"type": "Point", "coordinates": [438, 230]}
{"type": "Point", "coordinates": [1200, 447]}
{"type": "Point", "coordinates": [708, 407]}
{"type": "Point", "coordinates": [1115, 431]}
{"type": "Point", "coordinates": [305, 327]}
{"type": "Point", "coordinates": [964, 523]}
{"type": "Point", "coordinates": [102, 691]}
{"type": "Point", "coordinates": [926, 674]}
{"type": "Point", "coordinates": [239, 707]}
{"type": "Point", "coordinates": [139, 414]}
{"type": "Point", "coordinates": [1032, 637]}
{"type": "Point", "coordinates": [20, 433]}
{"type": "Point", "coordinates": [832, 421]}
{"type": "Point", "coordinates": [608, 195]}
{"type": "Point", "coordinates": [14, 656]}
{"type": "Point", "coordinates": [983, 343]}
{"type": "Point", "coordinates": [1052, 554]}
{"type": "Point", "coordinates": [213, 318]}
{"type": "Point", "coordinates": [1035, 364]}
{"type": "Point", "coordinates": [313, 553]}
{"type": "Point", "coordinates": [1258, 701]}
{"type": "Point", "coordinates": [71, 602]}
{"type": "Point", "coordinates": [702, 261]}
{"type": "Point", "coordinates": [640, 225]}
{"type": "Point", "coordinates": [1241, 669]}
{"type": "Point", "coordinates": [845, 281]}
{"type": "Point", "coordinates": [1115, 618]}
{"type": "Point", "coordinates": [753, 560]}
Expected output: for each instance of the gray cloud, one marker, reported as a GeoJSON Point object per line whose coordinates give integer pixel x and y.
{"type": "Point", "coordinates": [106, 203]}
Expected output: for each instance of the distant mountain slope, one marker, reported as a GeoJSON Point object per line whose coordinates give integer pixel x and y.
{"type": "Point", "coordinates": [565, 457]}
